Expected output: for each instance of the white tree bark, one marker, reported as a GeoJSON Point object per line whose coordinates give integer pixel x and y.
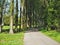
{"type": "Point", "coordinates": [11, 25]}
{"type": "Point", "coordinates": [0, 28]}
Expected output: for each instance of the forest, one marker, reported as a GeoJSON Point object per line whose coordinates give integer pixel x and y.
{"type": "Point", "coordinates": [30, 13]}
{"type": "Point", "coordinates": [20, 15]}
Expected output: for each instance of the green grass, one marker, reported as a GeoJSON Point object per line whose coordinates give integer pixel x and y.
{"type": "Point", "coordinates": [6, 27]}
{"type": "Point", "coordinates": [53, 34]}
{"type": "Point", "coordinates": [11, 39]}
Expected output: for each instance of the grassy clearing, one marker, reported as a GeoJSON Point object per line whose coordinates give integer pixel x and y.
{"type": "Point", "coordinates": [53, 34]}
{"type": "Point", "coordinates": [8, 27]}
{"type": "Point", "coordinates": [11, 39]}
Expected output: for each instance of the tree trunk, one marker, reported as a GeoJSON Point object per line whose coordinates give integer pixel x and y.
{"type": "Point", "coordinates": [0, 20]}
{"type": "Point", "coordinates": [11, 25]}
{"type": "Point", "coordinates": [20, 20]}
{"type": "Point", "coordinates": [16, 21]}
{"type": "Point", "coordinates": [0, 29]}
{"type": "Point", "coordinates": [11, 17]}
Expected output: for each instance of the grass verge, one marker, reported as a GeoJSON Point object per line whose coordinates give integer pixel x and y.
{"type": "Point", "coordinates": [53, 34]}
{"type": "Point", "coordinates": [11, 39]}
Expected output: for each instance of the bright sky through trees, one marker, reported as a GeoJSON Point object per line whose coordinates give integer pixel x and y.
{"type": "Point", "coordinates": [14, 6]}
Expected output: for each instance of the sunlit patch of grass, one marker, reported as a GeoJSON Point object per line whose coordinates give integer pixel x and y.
{"type": "Point", "coordinates": [6, 27]}
{"type": "Point", "coordinates": [11, 39]}
{"type": "Point", "coordinates": [53, 34]}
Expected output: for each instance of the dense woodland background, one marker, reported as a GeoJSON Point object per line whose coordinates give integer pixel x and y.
{"type": "Point", "coordinates": [42, 14]}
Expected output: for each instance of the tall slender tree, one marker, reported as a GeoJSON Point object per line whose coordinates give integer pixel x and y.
{"type": "Point", "coordinates": [16, 16]}
{"type": "Point", "coordinates": [20, 17]}
{"type": "Point", "coordinates": [1, 12]}
{"type": "Point", "coordinates": [11, 16]}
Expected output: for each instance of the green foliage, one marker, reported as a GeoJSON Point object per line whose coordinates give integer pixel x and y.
{"type": "Point", "coordinates": [35, 13]}
{"type": "Point", "coordinates": [6, 19]}
{"type": "Point", "coordinates": [53, 34]}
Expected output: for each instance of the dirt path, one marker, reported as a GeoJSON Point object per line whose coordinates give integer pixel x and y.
{"type": "Point", "coordinates": [37, 38]}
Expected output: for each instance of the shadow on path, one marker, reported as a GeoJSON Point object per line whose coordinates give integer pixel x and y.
{"type": "Point", "coordinates": [32, 30]}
